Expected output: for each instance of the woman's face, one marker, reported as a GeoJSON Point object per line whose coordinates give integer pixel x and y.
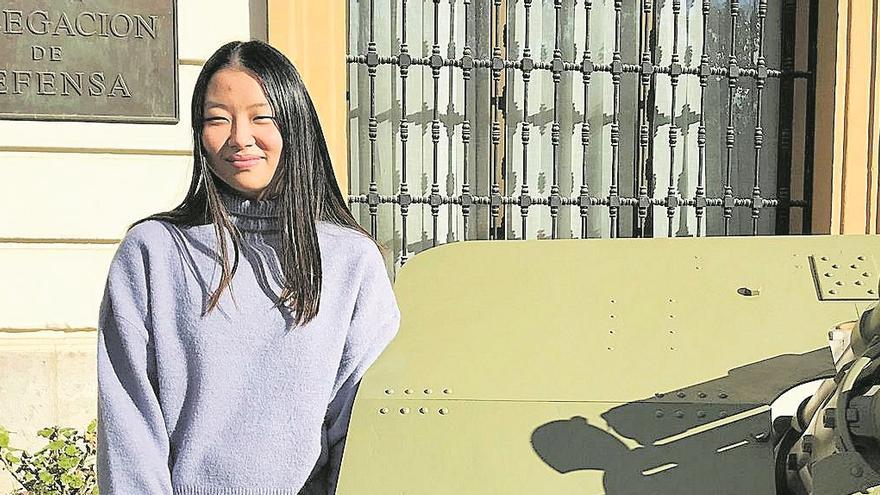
{"type": "Point", "coordinates": [239, 132]}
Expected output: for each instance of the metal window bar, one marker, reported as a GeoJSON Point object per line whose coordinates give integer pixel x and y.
{"type": "Point", "coordinates": [648, 72]}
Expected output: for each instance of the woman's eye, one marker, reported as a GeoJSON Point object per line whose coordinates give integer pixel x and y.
{"type": "Point", "coordinates": [264, 118]}
{"type": "Point", "coordinates": [215, 120]}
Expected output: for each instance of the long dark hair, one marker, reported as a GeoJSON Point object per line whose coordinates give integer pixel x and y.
{"type": "Point", "coordinates": [304, 182]}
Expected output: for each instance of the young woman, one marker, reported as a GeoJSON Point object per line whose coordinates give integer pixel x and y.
{"type": "Point", "coordinates": [235, 328]}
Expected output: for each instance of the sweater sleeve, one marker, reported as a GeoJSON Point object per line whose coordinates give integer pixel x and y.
{"type": "Point", "coordinates": [374, 323]}
{"type": "Point", "coordinates": [133, 444]}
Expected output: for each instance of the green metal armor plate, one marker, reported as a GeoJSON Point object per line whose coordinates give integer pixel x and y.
{"type": "Point", "coordinates": [600, 366]}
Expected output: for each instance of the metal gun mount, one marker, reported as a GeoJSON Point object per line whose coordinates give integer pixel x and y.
{"type": "Point", "coordinates": [830, 445]}
{"type": "Point", "coordinates": [626, 366]}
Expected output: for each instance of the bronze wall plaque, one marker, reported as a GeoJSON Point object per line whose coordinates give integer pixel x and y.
{"type": "Point", "coordinates": [89, 60]}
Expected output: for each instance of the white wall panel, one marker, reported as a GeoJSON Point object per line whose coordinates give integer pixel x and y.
{"type": "Point", "coordinates": [53, 286]}
{"type": "Point", "coordinates": [81, 195]}
{"type": "Point", "coordinates": [208, 24]}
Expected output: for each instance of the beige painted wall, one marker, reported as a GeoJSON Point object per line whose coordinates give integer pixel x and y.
{"type": "Point", "coordinates": [313, 35]}
{"type": "Point", "coordinates": [68, 193]}
{"type": "Point", "coordinates": [847, 118]}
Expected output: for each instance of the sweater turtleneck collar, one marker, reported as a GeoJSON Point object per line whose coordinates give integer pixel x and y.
{"type": "Point", "coordinates": [251, 215]}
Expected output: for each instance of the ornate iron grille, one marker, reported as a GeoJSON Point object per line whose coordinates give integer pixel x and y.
{"type": "Point", "coordinates": [624, 166]}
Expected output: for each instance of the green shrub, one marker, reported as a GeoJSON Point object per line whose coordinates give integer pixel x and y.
{"type": "Point", "coordinates": [65, 466]}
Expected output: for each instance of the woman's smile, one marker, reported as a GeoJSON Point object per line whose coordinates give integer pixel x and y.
{"type": "Point", "coordinates": [245, 162]}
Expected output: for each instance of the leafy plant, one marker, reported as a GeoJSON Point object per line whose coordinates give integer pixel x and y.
{"type": "Point", "coordinates": [65, 466]}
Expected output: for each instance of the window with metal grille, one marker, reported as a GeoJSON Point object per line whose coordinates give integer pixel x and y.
{"type": "Point", "coordinates": [521, 119]}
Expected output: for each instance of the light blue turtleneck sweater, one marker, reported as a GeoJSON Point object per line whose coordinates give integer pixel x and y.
{"type": "Point", "coordinates": [239, 401]}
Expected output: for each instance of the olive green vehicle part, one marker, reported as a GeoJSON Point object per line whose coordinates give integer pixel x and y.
{"type": "Point", "coordinates": [622, 366]}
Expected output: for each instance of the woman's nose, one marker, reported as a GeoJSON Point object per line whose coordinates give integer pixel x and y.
{"type": "Point", "coordinates": [240, 135]}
